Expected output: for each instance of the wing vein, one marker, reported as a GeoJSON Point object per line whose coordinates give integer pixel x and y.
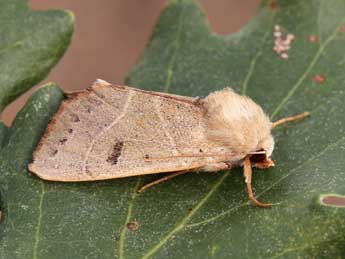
{"type": "Point", "coordinates": [164, 125]}
{"type": "Point", "coordinates": [102, 99]}
{"type": "Point", "coordinates": [104, 130]}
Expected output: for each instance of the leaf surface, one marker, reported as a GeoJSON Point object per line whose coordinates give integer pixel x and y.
{"type": "Point", "coordinates": [203, 215]}
{"type": "Point", "coordinates": [31, 43]}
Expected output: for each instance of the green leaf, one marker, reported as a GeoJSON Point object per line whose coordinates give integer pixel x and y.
{"type": "Point", "coordinates": [31, 43]}
{"type": "Point", "coordinates": [203, 215]}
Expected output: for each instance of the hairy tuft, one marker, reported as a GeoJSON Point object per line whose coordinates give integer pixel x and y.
{"type": "Point", "coordinates": [237, 123]}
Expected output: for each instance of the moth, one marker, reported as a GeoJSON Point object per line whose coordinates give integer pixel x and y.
{"type": "Point", "coordinates": [109, 131]}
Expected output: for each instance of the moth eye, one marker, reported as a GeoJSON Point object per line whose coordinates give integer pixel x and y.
{"type": "Point", "coordinates": [256, 158]}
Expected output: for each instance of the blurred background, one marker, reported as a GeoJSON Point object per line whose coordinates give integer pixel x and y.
{"type": "Point", "coordinates": [110, 35]}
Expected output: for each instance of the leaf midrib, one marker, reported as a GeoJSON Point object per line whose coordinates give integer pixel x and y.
{"type": "Point", "coordinates": [184, 220]}
{"type": "Point", "coordinates": [39, 221]}
{"type": "Point", "coordinates": [176, 43]}
{"type": "Point", "coordinates": [127, 219]}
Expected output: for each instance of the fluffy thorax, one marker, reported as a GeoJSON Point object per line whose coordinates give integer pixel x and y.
{"type": "Point", "coordinates": [237, 123]}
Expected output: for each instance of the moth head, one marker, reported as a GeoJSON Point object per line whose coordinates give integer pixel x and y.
{"type": "Point", "coordinates": [261, 157]}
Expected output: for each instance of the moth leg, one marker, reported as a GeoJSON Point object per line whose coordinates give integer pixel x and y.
{"type": "Point", "coordinates": [248, 180]}
{"type": "Point", "coordinates": [163, 179]}
{"type": "Point", "coordinates": [215, 167]}
{"type": "Point", "coordinates": [292, 118]}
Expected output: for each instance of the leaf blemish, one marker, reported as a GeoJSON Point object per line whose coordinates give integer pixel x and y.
{"type": "Point", "coordinates": [75, 118]}
{"type": "Point", "coordinates": [133, 226]}
{"type": "Point", "coordinates": [332, 200]}
{"type": "Point", "coordinates": [342, 28]}
{"type": "Point", "coordinates": [313, 38]}
{"type": "Point", "coordinates": [282, 42]}
{"type": "Point", "coordinates": [272, 5]}
{"type": "Point", "coordinates": [54, 152]}
{"type": "Point", "coordinates": [319, 79]}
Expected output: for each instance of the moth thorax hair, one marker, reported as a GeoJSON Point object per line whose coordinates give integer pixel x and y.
{"type": "Point", "coordinates": [237, 123]}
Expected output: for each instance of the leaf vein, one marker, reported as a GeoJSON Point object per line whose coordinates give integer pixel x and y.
{"type": "Point", "coordinates": [209, 220]}
{"type": "Point", "coordinates": [252, 65]}
{"type": "Point", "coordinates": [16, 44]}
{"type": "Point", "coordinates": [171, 64]}
{"type": "Point", "coordinates": [128, 218]}
{"type": "Point", "coordinates": [184, 220]}
{"type": "Point", "coordinates": [38, 228]}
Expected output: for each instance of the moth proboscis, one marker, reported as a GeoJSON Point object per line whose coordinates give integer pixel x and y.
{"type": "Point", "coordinates": [108, 132]}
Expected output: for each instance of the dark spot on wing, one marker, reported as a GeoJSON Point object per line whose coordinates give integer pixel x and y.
{"type": "Point", "coordinates": [87, 170]}
{"type": "Point", "coordinates": [75, 118]}
{"type": "Point", "coordinates": [62, 141]}
{"type": "Point", "coordinates": [116, 153]}
{"type": "Point", "coordinates": [70, 131]}
{"type": "Point", "coordinates": [53, 152]}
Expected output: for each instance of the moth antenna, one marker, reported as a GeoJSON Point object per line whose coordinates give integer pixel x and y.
{"type": "Point", "coordinates": [147, 158]}
{"type": "Point", "coordinates": [248, 179]}
{"type": "Point", "coordinates": [288, 119]}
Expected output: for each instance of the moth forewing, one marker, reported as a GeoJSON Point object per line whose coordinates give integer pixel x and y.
{"type": "Point", "coordinates": [110, 132]}
{"type": "Point", "coordinates": [107, 131]}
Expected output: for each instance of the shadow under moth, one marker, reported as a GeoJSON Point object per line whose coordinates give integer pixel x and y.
{"type": "Point", "coordinates": [108, 132]}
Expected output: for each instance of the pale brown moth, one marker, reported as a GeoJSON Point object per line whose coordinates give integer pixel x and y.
{"type": "Point", "coordinates": [108, 132]}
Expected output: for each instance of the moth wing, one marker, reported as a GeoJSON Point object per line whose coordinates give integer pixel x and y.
{"type": "Point", "coordinates": [110, 132]}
